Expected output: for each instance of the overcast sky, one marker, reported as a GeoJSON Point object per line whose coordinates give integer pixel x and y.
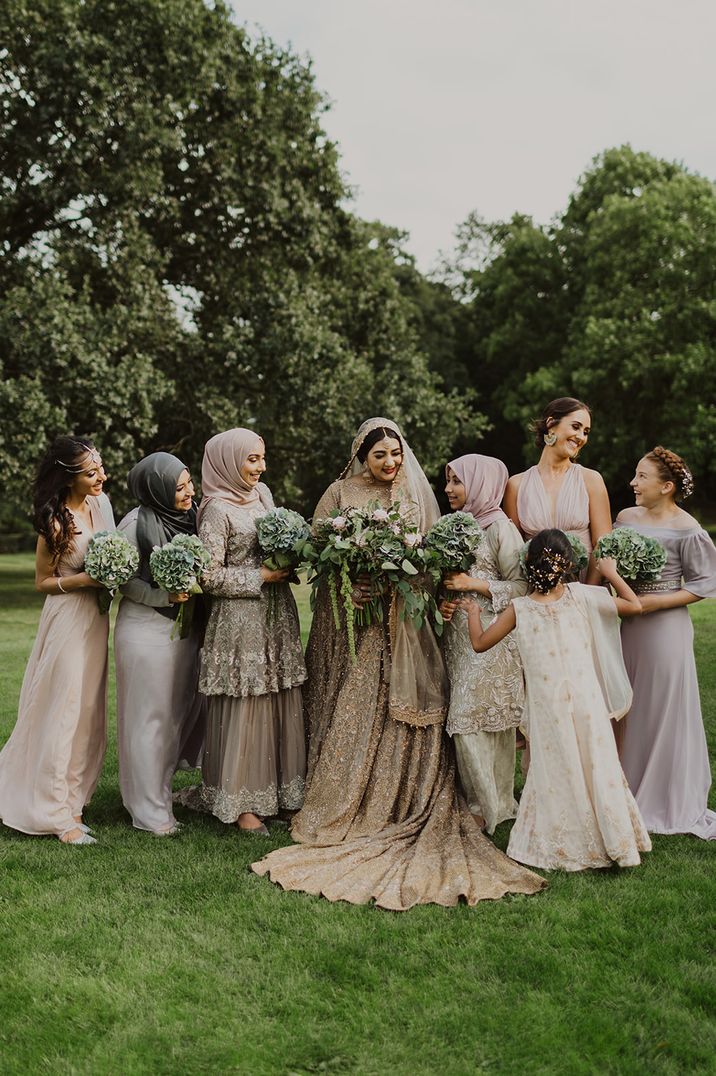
{"type": "Point", "coordinates": [498, 106]}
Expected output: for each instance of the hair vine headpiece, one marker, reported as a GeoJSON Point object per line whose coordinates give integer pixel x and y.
{"type": "Point", "coordinates": [549, 571]}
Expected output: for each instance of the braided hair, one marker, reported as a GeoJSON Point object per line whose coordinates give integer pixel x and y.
{"type": "Point", "coordinates": [671, 468]}
{"type": "Point", "coordinates": [52, 518]}
{"type": "Point", "coordinates": [549, 560]}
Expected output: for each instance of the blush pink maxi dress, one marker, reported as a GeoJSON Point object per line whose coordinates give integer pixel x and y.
{"type": "Point", "coordinates": [50, 765]}
{"type": "Point", "coordinates": [534, 508]}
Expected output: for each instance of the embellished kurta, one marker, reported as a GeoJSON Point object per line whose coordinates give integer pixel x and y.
{"type": "Point", "coordinates": [487, 690]}
{"type": "Point", "coordinates": [252, 669]}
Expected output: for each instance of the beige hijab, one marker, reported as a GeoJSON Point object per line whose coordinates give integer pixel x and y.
{"type": "Point", "coordinates": [224, 456]}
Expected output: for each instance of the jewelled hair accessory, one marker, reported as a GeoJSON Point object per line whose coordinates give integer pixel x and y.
{"type": "Point", "coordinates": [78, 468]}
{"type": "Point", "coordinates": [552, 567]}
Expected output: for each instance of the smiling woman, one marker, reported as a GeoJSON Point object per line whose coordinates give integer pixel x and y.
{"type": "Point", "coordinates": [52, 761]}
{"type": "Point", "coordinates": [559, 492]}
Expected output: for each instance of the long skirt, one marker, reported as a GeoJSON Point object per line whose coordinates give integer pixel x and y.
{"type": "Point", "coordinates": [160, 713]}
{"type": "Point", "coordinates": [254, 756]}
{"type": "Point", "coordinates": [52, 761]}
{"type": "Point", "coordinates": [664, 752]}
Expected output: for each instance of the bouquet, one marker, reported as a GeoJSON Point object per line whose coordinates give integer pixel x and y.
{"type": "Point", "coordinates": [282, 537]}
{"type": "Point", "coordinates": [450, 546]}
{"type": "Point", "coordinates": [371, 541]}
{"type": "Point", "coordinates": [175, 567]}
{"type": "Point", "coordinates": [110, 560]}
{"type": "Point", "coordinates": [639, 559]}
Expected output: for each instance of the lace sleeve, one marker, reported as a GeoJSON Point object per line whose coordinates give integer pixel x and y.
{"type": "Point", "coordinates": [219, 579]}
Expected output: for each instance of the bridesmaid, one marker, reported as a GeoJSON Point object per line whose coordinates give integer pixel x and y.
{"type": "Point", "coordinates": [50, 765]}
{"type": "Point", "coordinates": [254, 762]}
{"type": "Point", "coordinates": [486, 690]}
{"type": "Point", "coordinates": [558, 491]}
{"type": "Point", "coordinates": [159, 710]}
{"type": "Point", "coordinates": [664, 755]}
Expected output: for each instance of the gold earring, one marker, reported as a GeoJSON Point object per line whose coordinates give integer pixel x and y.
{"type": "Point", "coordinates": [550, 439]}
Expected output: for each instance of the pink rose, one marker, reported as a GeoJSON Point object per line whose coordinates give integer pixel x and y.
{"type": "Point", "coordinates": [412, 540]}
{"type": "Point", "coordinates": [339, 523]}
{"type": "Point", "coordinates": [380, 515]}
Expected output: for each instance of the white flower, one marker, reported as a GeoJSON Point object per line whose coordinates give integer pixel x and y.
{"type": "Point", "coordinates": [380, 515]}
{"type": "Point", "coordinates": [412, 540]}
{"type": "Point", "coordinates": [339, 523]}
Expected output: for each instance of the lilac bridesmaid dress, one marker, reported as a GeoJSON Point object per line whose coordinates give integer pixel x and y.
{"type": "Point", "coordinates": [664, 754]}
{"type": "Point", "coordinates": [534, 508]}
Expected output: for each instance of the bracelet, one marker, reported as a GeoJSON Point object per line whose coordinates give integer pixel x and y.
{"type": "Point", "coordinates": [59, 584]}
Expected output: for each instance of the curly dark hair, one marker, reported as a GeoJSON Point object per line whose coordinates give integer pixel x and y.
{"type": "Point", "coordinates": [553, 413]}
{"type": "Point", "coordinates": [52, 518]}
{"type": "Point", "coordinates": [549, 560]}
{"type": "Point", "coordinates": [672, 468]}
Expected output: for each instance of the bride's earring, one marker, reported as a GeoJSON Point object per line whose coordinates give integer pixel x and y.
{"type": "Point", "coordinates": [550, 439]}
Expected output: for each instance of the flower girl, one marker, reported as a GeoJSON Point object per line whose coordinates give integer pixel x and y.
{"type": "Point", "coordinates": [576, 810]}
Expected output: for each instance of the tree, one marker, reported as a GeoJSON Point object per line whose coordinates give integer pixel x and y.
{"type": "Point", "coordinates": [174, 221]}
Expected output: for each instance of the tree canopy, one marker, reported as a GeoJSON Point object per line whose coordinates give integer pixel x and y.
{"type": "Point", "coordinates": [179, 257]}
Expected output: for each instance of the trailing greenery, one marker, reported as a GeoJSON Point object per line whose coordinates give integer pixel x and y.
{"type": "Point", "coordinates": [142, 955]}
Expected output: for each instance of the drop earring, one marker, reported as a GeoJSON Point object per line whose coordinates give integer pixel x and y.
{"type": "Point", "coordinates": [550, 439]}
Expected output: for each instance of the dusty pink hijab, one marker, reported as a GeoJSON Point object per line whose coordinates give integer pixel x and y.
{"type": "Point", "coordinates": [224, 456]}
{"type": "Point", "coordinates": [484, 479]}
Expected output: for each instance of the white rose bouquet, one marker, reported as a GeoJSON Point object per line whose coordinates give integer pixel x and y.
{"type": "Point", "coordinates": [176, 568]}
{"type": "Point", "coordinates": [110, 560]}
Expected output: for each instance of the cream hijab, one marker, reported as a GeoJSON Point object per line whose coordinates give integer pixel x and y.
{"type": "Point", "coordinates": [224, 456]}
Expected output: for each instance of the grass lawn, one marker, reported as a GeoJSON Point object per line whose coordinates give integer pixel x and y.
{"type": "Point", "coordinates": [142, 955]}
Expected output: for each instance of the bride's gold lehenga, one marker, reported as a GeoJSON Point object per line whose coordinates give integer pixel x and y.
{"type": "Point", "coordinates": [382, 818]}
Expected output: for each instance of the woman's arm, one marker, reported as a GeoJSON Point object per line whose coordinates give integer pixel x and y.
{"type": "Point", "coordinates": [672, 599]}
{"type": "Point", "coordinates": [509, 505]}
{"type": "Point", "coordinates": [485, 640]}
{"type": "Point", "coordinates": [626, 600]}
{"type": "Point", "coordinates": [46, 579]}
{"type": "Point", "coordinates": [600, 517]}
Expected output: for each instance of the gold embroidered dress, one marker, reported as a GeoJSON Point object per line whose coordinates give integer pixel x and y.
{"type": "Point", "coordinates": [382, 819]}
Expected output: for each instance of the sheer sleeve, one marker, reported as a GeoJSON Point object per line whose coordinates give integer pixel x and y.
{"type": "Point", "coordinates": [139, 590]}
{"type": "Point", "coordinates": [105, 507]}
{"type": "Point", "coordinates": [220, 579]}
{"type": "Point", "coordinates": [698, 564]}
{"type": "Point", "coordinates": [507, 543]}
{"type": "Point", "coordinates": [328, 502]}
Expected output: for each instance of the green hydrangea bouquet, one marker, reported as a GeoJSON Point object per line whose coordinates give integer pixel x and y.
{"type": "Point", "coordinates": [110, 560]}
{"type": "Point", "coordinates": [176, 568]}
{"type": "Point", "coordinates": [639, 559]}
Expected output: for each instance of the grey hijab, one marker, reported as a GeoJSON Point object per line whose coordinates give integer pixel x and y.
{"type": "Point", "coordinates": [152, 482]}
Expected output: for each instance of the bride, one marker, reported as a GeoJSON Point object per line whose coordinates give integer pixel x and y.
{"type": "Point", "coordinates": [382, 819]}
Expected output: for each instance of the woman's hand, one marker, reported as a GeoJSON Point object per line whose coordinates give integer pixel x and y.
{"type": "Point", "coordinates": [362, 591]}
{"type": "Point", "coordinates": [461, 581]}
{"type": "Point", "coordinates": [447, 610]}
{"type": "Point", "coordinates": [175, 599]}
{"type": "Point", "coordinates": [268, 575]}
